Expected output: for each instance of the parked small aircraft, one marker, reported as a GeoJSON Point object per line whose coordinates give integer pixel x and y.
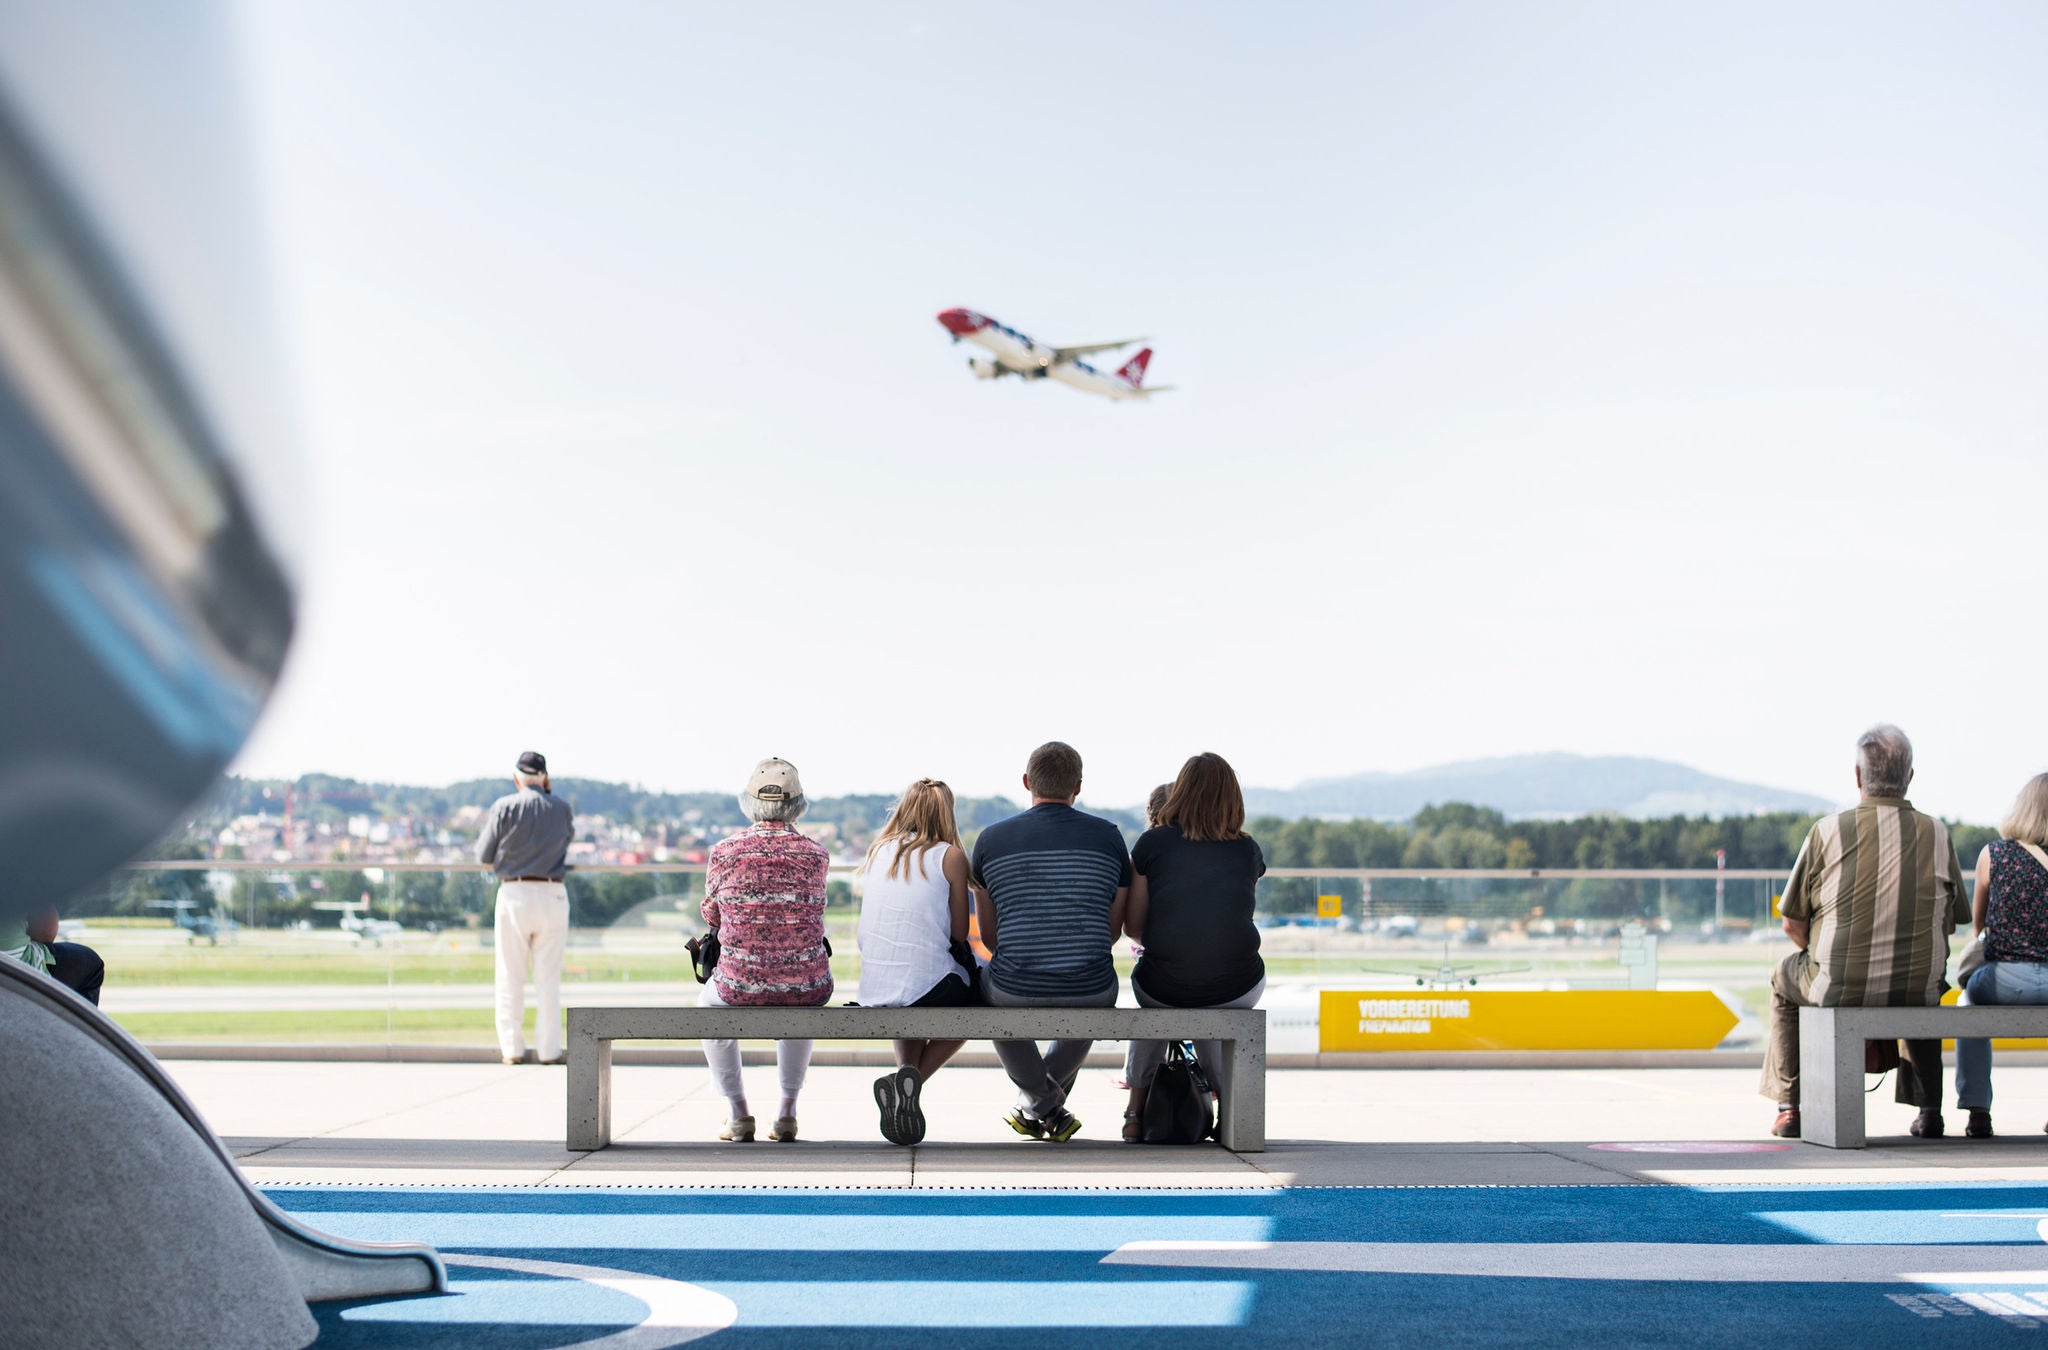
{"type": "Point", "coordinates": [1013, 353]}
{"type": "Point", "coordinates": [1446, 975]}
{"type": "Point", "coordinates": [355, 919]}
{"type": "Point", "coordinates": [197, 922]}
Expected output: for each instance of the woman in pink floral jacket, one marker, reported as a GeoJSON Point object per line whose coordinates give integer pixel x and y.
{"type": "Point", "coordinates": [764, 895]}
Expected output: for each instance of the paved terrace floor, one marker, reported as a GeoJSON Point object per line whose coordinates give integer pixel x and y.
{"type": "Point", "coordinates": [490, 1124]}
{"type": "Point", "coordinates": [1569, 1208]}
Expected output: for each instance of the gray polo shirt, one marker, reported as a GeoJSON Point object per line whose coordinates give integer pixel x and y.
{"type": "Point", "coordinates": [527, 834]}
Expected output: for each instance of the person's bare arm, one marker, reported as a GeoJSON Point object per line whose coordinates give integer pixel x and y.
{"type": "Point", "coordinates": [1137, 907]}
{"type": "Point", "coordinates": [43, 927]}
{"type": "Point", "coordinates": [954, 869]}
{"type": "Point", "coordinates": [985, 918]}
{"type": "Point", "coordinates": [1797, 929]}
{"type": "Point", "coordinates": [1117, 910]}
{"type": "Point", "coordinates": [1980, 903]}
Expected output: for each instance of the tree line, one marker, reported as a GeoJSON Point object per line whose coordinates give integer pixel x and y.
{"type": "Point", "coordinates": [1459, 835]}
{"type": "Point", "coordinates": [1452, 835]}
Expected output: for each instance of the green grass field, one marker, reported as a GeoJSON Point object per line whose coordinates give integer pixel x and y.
{"type": "Point", "coordinates": [151, 954]}
{"type": "Point", "coordinates": [246, 964]}
{"type": "Point", "coordinates": [334, 1026]}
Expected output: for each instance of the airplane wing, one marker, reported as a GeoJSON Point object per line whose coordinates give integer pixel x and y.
{"type": "Point", "coordinates": [1090, 348]}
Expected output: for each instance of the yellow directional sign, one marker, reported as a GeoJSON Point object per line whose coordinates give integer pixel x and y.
{"type": "Point", "coordinates": [1329, 906]}
{"type": "Point", "coordinates": [1518, 1019]}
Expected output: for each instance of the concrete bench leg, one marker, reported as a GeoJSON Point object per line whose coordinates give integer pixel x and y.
{"type": "Point", "coordinates": [1830, 1081]}
{"type": "Point", "coordinates": [1242, 1128]}
{"type": "Point", "coordinates": [590, 1091]}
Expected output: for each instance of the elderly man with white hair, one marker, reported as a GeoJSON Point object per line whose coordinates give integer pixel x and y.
{"type": "Point", "coordinates": [1871, 902]}
{"type": "Point", "coordinates": [525, 841]}
{"type": "Point", "coordinates": [764, 896]}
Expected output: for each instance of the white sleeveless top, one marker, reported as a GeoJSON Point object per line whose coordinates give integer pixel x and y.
{"type": "Point", "coordinates": [906, 925]}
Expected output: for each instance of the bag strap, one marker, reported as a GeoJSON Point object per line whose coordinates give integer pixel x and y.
{"type": "Point", "coordinates": [2034, 851]}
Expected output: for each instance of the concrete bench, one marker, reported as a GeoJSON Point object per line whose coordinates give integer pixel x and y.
{"type": "Point", "coordinates": [1241, 1076]}
{"type": "Point", "coordinates": [1831, 1055]}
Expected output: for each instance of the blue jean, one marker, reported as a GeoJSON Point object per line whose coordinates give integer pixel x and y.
{"type": "Point", "coordinates": [1994, 982]}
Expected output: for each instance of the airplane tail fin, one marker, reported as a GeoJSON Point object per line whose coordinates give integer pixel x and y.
{"type": "Point", "coordinates": [1133, 371]}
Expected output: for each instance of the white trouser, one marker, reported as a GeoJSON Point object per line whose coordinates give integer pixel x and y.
{"type": "Point", "coordinates": [792, 1058]}
{"type": "Point", "coordinates": [532, 929]}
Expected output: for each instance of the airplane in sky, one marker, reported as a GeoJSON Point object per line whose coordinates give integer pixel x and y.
{"type": "Point", "coordinates": [1012, 353]}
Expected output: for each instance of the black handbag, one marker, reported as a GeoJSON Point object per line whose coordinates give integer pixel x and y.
{"type": "Point", "coordinates": [1177, 1108]}
{"type": "Point", "coordinates": [704, 955]}
{"type": "Point", "coordinates": [964, 954]}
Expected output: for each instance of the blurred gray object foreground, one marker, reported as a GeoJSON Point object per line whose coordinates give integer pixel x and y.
{"type": "Point", "coordinates": [145, 616]}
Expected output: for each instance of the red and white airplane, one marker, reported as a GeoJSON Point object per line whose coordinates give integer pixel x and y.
{"type": "Point", "coordinates": [1012, 353]}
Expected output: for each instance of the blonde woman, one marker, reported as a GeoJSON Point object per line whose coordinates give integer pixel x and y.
{"type": "Point", "coordinates": [913, 931]}
{"type": "Point", "coordinates": [2011, 911]}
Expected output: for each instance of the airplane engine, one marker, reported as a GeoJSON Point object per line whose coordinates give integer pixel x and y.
{"type": "Point", "coordinates": [984, 367]}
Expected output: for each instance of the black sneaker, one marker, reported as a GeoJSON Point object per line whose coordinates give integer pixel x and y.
{"type": "Point", "coordinates": [909, 1115]}
{"type": "Point", "coordinates": [1061, 1126]}
{"type": "Point", "coordinates": [1031, 1127]}
{"type": "Point", "coordinates": [885, 1098]}
{"type": "Point", "coordinates": [1928, 1125]}
{"type": "Point", "coordinates": [1980, 1124]}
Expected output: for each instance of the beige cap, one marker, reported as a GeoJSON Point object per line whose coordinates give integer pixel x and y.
{"type": "Point", "coordinates": [774, 780]}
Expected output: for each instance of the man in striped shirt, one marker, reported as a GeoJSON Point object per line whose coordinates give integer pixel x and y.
{"type": "Point", "coordinates": [1050, 886]}
{"type": "Point", "coordinates": [1871, 902]}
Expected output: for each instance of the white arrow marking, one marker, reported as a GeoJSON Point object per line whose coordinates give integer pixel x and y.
{"type": "Point", "coordinates": [1684, 1262]}
{"type": "Point", "coordinates": [676, 1312]}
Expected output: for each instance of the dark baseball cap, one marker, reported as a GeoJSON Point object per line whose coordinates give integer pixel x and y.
{"type": "Point", "coordinates": [533, 761]}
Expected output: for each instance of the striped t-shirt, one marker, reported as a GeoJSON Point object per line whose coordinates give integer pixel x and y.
{"type": "Point", "coordinates": [1052, 874]}
{"type": "Point", "coordinates": [1880, 886]}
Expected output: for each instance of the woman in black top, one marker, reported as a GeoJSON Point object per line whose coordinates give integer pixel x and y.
{"type": "Point", "coordinates": [1196, 875]}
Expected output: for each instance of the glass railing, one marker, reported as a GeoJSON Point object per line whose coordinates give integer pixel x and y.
{"type": "Point", "coordinates": [402, 953]}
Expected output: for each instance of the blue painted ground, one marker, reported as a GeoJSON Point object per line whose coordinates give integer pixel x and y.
{"type": "Point", "coordinates": [974, 1269]}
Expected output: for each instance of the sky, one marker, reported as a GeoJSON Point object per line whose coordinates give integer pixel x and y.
{"type": "Point", "coordinates": [1607, 378]}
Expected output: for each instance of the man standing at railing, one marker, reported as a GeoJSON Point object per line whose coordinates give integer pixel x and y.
{"type": "Point", "coordinates": [526, 842]}
{"type": "Point", "coordinates": [1871, 902]}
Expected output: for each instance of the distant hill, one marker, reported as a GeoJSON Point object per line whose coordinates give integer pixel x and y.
{"type": "Point", "coordinates": [1553, 786]}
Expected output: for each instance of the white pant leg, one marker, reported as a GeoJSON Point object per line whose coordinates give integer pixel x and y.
{"type": "Point", "coordinates": [515, 955]}
{"type": "Point", "coordinates": [723, 1057]}
{"type": "Point", "coordinates": [548, 928]}
{"type": "Point", "coordinates": [792, 1062]}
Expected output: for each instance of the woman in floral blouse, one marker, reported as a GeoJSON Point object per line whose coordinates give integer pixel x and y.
{"type": "Point", "coordinates": [764, 895]}
{"type": "Point", "coordinates": [2010, 907]}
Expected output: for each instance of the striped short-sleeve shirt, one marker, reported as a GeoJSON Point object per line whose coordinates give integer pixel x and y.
{"type": "Point", "coordinates": [1052, 874]}
{"type": "Point", "coordinates": [1880, 886]}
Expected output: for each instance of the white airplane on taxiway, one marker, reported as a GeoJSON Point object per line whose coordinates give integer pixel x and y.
{"type": "Point", "coordinates": [1013, 353]}
{"type": "Point", "coordinates": [355, 919]}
